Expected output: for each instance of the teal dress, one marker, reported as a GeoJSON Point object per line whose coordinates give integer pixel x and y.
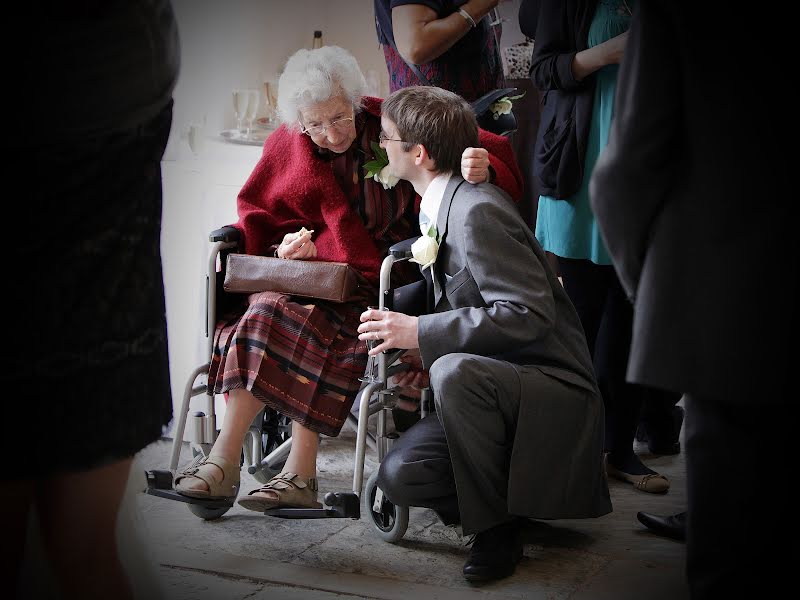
{"type": "Point", "coordinates": [567, 227]}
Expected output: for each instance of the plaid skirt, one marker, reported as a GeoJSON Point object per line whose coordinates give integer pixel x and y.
{"type": "Point", "coordinates": [300, 357]}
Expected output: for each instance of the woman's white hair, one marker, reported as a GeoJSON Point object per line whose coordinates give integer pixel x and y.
{"type": "Point", "coordinates": [313, 76]}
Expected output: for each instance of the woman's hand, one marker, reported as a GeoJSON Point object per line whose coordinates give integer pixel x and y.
{"type": "Point", "coordinates": [475, 165]}
{"type": "Point", "coordinates": [297, 246]}
{"type": "Point", "coordinates": [416, 377]}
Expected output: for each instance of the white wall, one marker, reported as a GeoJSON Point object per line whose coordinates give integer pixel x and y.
{"type": "Point", "coordinates": [237, 43]}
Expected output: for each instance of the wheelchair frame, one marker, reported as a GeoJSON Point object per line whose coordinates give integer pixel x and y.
{"type": "Point", "coordinates": [389, 520]}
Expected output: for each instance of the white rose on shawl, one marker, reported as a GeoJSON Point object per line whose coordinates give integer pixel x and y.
{"type": "Point", "coordinates": [386, 178]}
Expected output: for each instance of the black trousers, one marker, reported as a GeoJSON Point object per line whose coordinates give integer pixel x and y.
{"type": "Point", "coordinates": [607, 318]}
{"type": "Point", "coordinates": [741, 522]}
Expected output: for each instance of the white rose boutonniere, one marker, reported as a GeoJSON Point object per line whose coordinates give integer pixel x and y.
{"type": "Point", "coordinates": [425, 249]}
{"type": "Point", "coordinates": [385, 178]}
{"type": "Point", "coordinates": [503, 105]}
{"type": "Point", "coordinates": [378, 168]}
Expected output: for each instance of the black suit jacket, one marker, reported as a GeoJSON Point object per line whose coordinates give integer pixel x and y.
{"type": "Point", "coordinates": [690, 195]}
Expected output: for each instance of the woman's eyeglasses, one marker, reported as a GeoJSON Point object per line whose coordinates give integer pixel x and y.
{"type": "Point", "coordinates": [338, 124]}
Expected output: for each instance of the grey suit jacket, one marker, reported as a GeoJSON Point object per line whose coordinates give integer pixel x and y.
{"type": "Point", "coordinates": [496, 296]}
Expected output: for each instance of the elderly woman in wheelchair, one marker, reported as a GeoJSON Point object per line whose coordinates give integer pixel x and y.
{"type": "Point", "coordinates": [309, 197]}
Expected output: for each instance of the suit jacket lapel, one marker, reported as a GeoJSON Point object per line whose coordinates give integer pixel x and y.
{"type": "Point", "coordinates": [437, 272]}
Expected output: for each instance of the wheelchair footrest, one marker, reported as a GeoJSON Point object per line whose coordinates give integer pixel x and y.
{"type": "Point", "coordinates": [156, 482]}
{"type": "Point", "coordinates": [343, 505]}
{"type": "Point", "coordinates": [159, 479]}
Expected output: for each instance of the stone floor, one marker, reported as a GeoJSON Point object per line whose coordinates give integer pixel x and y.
{"type": "Point", "coordinates": [174, 555]}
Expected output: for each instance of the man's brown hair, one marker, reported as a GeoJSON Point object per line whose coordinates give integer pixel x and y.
{"type": "Point", "coordinates": [438, 119]}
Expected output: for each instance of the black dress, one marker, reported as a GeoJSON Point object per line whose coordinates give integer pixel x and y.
{"type": "Point", "coordinates": [89, 376]}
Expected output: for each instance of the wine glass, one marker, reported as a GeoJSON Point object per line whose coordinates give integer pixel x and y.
{"type": "Point", "coordinates": [270, 101]}
{"type": "Point", "coordinates": [253, 100]}
{"type": "Point", "coordinates": [195, 137]}
{"type": "Point", "coordinates": [241, 98]}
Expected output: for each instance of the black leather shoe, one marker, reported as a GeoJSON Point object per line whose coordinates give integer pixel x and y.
{"type": "Point", "coordinates": [672, 526]}
{"type": "Point", "coordinates": [495, 553]}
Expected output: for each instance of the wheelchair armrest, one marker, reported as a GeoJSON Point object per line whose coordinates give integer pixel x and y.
{"type": "Point", "coordinates": [403, 249]}
{"type": "Point", "coordinates": [225, 234]}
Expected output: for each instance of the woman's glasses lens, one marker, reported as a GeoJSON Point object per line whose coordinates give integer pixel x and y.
{"type": "Point", "coordinates": [339, 124]}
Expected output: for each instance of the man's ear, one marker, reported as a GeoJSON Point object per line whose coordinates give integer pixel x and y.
{"type": "Point", "coordinates": [422, 158]}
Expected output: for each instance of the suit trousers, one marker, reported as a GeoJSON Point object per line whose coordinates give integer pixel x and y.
{"type": "Point", "coordinates": [468, 441]}
{"type": "Point", "coordinates": [740, 510]}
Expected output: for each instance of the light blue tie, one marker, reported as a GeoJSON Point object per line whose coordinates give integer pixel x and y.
{"type": "Point", "coordinates": [424, 223]}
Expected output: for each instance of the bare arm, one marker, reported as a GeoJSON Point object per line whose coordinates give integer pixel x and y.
{"type": "Point", "coordinates": [421, 36]}
{"type": "Point", "coordinates": [559, 61]}
{"type": "Point", "coordinates": [590, 60]}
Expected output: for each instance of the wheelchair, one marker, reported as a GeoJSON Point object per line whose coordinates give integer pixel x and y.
{"type": "Point", "coordinates": [268, 439]}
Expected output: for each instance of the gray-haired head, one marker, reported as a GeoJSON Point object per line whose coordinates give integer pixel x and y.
{"type": "Point", "coordinates": [312, 76]}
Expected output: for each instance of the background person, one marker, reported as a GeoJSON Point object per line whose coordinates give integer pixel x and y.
{"type": "Point", "coordinates": [89, 351]}
{"type": "Point", "coordinates": [578, 46]}
{"type": "Point", "coordinates": [698, 226]}
{"type": "Point", "coordinates": [455, 51]}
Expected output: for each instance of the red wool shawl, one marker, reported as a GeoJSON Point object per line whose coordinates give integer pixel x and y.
{"type": "Point", "coordinates": [291, 187]}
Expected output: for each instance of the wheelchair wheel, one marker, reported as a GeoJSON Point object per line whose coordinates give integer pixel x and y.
{"type": "Point", "coordinates": [207, 514]}
{"type": "Point", "coordinates": [391, 521]}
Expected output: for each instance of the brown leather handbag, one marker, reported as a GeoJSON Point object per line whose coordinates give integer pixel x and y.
{"type": "Point", "coordinates": [325, 280]}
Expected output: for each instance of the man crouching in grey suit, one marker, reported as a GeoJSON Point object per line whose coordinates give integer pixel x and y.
{"type": "Point", "coordinates": [518, 425]}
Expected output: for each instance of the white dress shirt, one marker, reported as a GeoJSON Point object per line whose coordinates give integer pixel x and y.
{"type": "Point", "coordinates": [431, 200]}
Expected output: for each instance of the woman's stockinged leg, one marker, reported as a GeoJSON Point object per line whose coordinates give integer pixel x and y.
{"type": "Point", "coordinates": [302, 458]}
{"type": "Point", "coordinates": [302, 461]}
{"type": "Point", "coordinates": [240, 411]}
{"type": "Point", "coordinates": [242, 408]}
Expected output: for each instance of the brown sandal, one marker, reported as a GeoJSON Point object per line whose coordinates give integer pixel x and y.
{"type": "Point", "coordinates": [287, 491]}
{"type": "Point", "coordinates": [218, 489]}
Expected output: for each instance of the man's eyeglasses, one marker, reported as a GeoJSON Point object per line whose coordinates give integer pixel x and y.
{"type": "Point", "coordinates": [382, 137]}
{"type": "Point", "coordinates": [338, 124]}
